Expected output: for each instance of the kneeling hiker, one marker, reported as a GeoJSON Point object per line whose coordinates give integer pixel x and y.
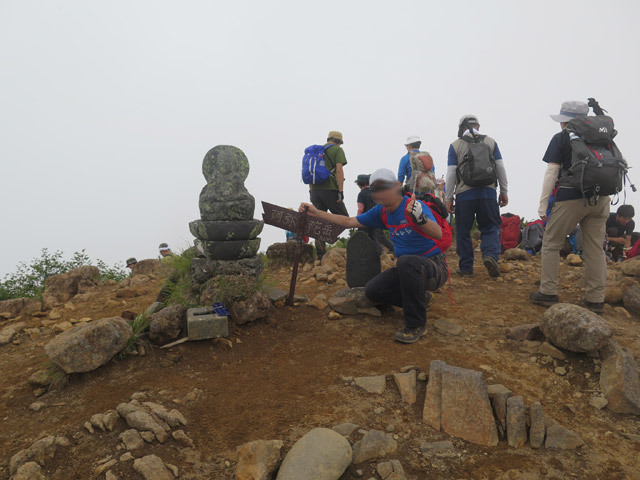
{"type": "Point", "coordinates": [417, 235]}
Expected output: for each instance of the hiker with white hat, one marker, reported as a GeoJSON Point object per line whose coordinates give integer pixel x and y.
{"type": "Point", "coordinates": [415, 233]}
{"type": "Point", "coordinates": [562, 210]}
{"type": "Point", "coordinates": [474, 171]}
{"type": "Point", "coordinates": [416, 169]}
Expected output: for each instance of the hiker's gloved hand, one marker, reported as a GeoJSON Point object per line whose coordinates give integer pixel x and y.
{"type": "Point", "coordinates": [340, 197]}
{"type": "Point", "coordinates": [416, 211]}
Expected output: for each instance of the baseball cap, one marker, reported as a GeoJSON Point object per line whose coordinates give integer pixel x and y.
{"type": "Point", "coordinates": [335, 134]}
{"type": "Point", "coordinates": [383, 175]}
{"type": "Point", "coordinates": [412, 139]}
{"type": "Point", "coordinates": [131, 261]}
{"type": "Point", "coordinates": [468, 118]}
{"type": "Point", "coordinates": [363, 178]}
{"type": "Point", "coordinates": [570, 110]}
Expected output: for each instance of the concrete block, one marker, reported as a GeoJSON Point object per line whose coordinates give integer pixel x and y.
{"type": "Point", "coordinates": [203, 323]}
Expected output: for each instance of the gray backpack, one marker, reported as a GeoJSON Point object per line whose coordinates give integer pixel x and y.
{"type": "Point", "coordinates": [478, 166]}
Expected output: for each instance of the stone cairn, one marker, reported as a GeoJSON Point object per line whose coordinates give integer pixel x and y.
{"type": "Point", "coordinates": [226, 235]}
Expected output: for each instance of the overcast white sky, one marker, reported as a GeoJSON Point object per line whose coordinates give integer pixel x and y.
{"type": "Point", "coordinates": [107, 108]}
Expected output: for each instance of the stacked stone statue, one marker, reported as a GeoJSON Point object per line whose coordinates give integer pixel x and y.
{"type": "Point", "coordinates": [226, 235]}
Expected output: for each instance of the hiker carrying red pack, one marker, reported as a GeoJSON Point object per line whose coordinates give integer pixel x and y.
{"type": "Point", "coordinates": [420, 238]}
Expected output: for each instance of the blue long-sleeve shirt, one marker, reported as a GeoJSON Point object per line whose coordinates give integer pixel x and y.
{"type": "Point", "coordinates": [404, 169]}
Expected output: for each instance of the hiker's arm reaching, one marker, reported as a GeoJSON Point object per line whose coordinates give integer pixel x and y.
{"type": "Point", "coordinates": [548, 184]}
{"type": "Point", "coordinates": [348, 222]}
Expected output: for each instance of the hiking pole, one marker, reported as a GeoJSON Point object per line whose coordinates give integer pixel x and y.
{"type": "Point", "coordinates": [296, 256]}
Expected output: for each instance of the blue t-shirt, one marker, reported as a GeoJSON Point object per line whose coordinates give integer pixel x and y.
{"type": "Point", "coordinates": [404, 169]}
{"type": "Point", "coordinates": [406, 240]}
{"type": "Point", "coordinates": [478, 192]}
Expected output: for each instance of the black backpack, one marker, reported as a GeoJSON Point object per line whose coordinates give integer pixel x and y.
{"type": "Point", "coordinates": [597, 167]}
{"type": "Point", "coordinates": [478, 167]}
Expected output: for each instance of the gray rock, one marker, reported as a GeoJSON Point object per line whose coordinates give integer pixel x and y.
{"type": "Point", "coordinates": [516, 422]}
{"type": "Point", "coordinates": [182, 438]}
{"type": "Point", "coordinates": [375, 384]}
{"type": "Point", "coordinates": [152, 467]}
{"type": "Point", "coordinates": [230, 250]}
{"type": "Point", "coordinates": [574, 328]}
{"type": "Point", "coordinates": [457, 401]}
{"type": "Point", "coordinates": [321, 454]}
{"type": "Point", "coordinates": [516, 254]}
{"type": "Point", "coordinates": [204, 269]}
{"type": "Point", "coordinates": [153, 308]}
{"type": "Point", "coordinates": [631, 267]}
{"type": "Point", "coordinates": [631, 297]}
{"type": "Point", "coordinates": [8, 333]}
{"type": "Point", "coordinates": [619, 379]}
{"type": "Point", "coordinates": [391, 470]}
{"type": "Point", "coordinates": [441, 446]}
{"type": "Point", "coordinates": [499, 403]}
{"type": "Point", "coordinates": [560, 437]}
{"type": "Point", "coordinates": [173, 417]}
{"type": "Point", "coordinates": [29, 471]}
{"type": "Point", "coordinates": [447, 326]}
{"type": "Point", "coordinates": [275, 294]}
{"type": "Point", "coordinates": [282, 253]}
{"type": "Point", "coordinates": [40, 451]}
{"type": "Point", "coordinates": [255, 307]}
{"type": "Point", "coordinates": [141, 420]}
{"type": "Point", "coordinates": [529, 331]}
{"type": "Point", "coordinates": [598, 402]}
{"type": "Point", "coordinates": [345, 429]}
{"type": "Point", "coordinates": [131, 439]}
{"type": "Point", "coordinates": [86, 347]}
{"type": "Point", "coordinates": [109, 420]}
{"type": "Point", "coordinates": [374, 444]}
{"type": "Point", "coordinates": [59, 289]}
{"type": "Point", "coordinates": [167, 324]}
{"type": "Point", "coordinates": [406, 383]}
{"type": "Point", "coordinates": [537, 430]}
{"type": "Point", "coordinates": [547, 349]}
{"type": "Point", "coordinates": [225, 231]}
{"type": "Point", "coordinates": [348, 300]}
{"type": "Point", "coordinates": [258, 460]}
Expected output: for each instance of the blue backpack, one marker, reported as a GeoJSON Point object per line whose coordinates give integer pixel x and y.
{"type": "Point", "coordinates": [314, 170]}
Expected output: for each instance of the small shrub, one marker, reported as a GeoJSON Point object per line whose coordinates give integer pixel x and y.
{"type": "Point", "coordinates": [56, 377]}
{"type": "Point", "coordinates": [140, 326]}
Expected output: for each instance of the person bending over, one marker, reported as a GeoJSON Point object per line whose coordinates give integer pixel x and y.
{"type": "Point", "coordinates": [421, 266]}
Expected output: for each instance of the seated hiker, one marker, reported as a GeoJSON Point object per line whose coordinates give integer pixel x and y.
{"type": "Point", "coordinates": [131, 262]}
{"type": "Point", "coordinates": [366, 203]}
{"type": "Point", "coordinates": [414, 231]}
{"type": "Point", "coordinates": [620, 227]}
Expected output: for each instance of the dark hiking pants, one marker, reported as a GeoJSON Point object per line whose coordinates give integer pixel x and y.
{"type": "Point", "coordinates": [487, 213]}
{"type": "Point", "coordinates": [405, 285]}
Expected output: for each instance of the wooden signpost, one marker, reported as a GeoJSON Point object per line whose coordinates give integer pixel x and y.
{"type": "Point", "coordinates": [303, 226]}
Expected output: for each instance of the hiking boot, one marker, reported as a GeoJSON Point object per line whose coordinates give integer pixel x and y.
{"type": "Point", "coordinates": [595, 307]}
{"type": "Point", "coordinates": [545, 300]}
{"type": "Point", "coordinates": [410, 335]}
{"type": "Point", "coordinates": [429, 298]}
{"type": "Point", "coordinates": [492, 266]}
{"type": "Point", "coordinates": [463, 274]}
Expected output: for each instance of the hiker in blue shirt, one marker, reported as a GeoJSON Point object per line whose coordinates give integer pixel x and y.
{"type": "Point", "coordinates": [421, 266]}
{"type": "Point", "coordinates": [412, 144]}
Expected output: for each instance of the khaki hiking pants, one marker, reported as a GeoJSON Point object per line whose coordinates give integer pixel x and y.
{"type": "Point", "coordinates": [564, 218]}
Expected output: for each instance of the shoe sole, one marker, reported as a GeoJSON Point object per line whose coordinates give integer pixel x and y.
{"type": "Point", "coordinates": [544, 303]}
{"type": "Point", "coordinates": [594, 309]}
{"type": "Point", "coordinates": [407, 342]}
{"type": "Point", "coordinates": [492, 267]}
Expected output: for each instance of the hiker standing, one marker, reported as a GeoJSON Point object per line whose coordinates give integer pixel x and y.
{"type": "Point", "coordinates": [366, 203]}
{"type": "Point", "coordinates": [568, 208]}
{"type": "Point", "coordinates": [417, 167]}
{"type": "Point", "coordinates": [329, 195]}
{"type": "Point", "coordinates": [620, 227]}
{"type": "Point", "coordinates": [475, 169]}
{"type": "Point", "coordinates": [412, 144]}
{"type": "Point", "coordinates": [418, 237]}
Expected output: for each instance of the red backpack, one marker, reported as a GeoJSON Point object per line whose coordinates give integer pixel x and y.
{"type": "Point", "coordinates": [439, 213]}
{"type": "Point", "coordinates": [510, 233]}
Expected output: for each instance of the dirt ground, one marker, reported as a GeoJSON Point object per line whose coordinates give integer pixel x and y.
{"type": "Point", "coordinates": [284, 376]}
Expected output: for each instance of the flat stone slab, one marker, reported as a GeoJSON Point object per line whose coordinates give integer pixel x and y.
{"type": "Point", "coordinates": [560, 437]}
{"type": "Point", "coordinates": [406, 383]}
{"type": "Point", "coordinates": [225, 231]}
{"type": "Point", "coordinates": [203, 269]}
{"type": "Point", "coordinates": [363, 260]}
{"type": "Point", "coordinates": [204, 323]}
{"type": "Point", "coordinates": [375, 384]}
{"type": "Point", "coordinates": [231, 250]}
{"type": "Point", "coordinates": [516, 422]}
{"type": "Point", "coordinates": [447, 326]}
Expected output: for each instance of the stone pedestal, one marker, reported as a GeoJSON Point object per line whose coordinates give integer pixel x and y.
{"type": "Point", "coordinates": [227, 234]}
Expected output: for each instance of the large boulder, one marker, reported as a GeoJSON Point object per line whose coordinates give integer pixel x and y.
{"type": "Point", "coordinates": [13, 307]}
{"type": "Point", "coordinates": [457, 402]}
{"type": "Point", "coordinates": [167, 324]}
{"type": "Point", "coordinates": [282, 253]}
{"type": "Point", "coordinates": [321, 454]}
{"type": "Point", "coordinates": [631, 298]}
{"type": "Point", "coordinates": [59, 289]}
{"type": "Point", "coordinates": [255, 307]}
{"type": "Point", "coordinates": [631, 267]}
{"type": "Point", "coordinates": [619, 379]}
{"type": "Point", "coordinates": [574, 328]}
{"type": "Point", "coordinates": [258, 460]}
{"type": "Point", "coordinates": [86, 347]}
{"type": "Point", "coordinates": [335, 258]}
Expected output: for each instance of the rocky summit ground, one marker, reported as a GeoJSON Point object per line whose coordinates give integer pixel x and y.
{"type": "Point", "coordinates": [279, 378]}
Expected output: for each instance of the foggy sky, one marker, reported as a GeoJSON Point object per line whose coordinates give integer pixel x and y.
{"type": "Point", "coordinates": [107, 108]}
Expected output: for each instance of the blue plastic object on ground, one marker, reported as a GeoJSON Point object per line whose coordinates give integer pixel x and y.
{"type": "Point", "coordinates": [220, 309]}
